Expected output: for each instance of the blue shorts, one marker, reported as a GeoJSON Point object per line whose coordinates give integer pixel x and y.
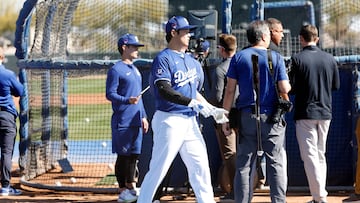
{"type": "Point", "coordinates": [126, 141]}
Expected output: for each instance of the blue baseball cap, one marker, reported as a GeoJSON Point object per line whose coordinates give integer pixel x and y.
{"type": "Point", "coordinates": [129, 39]}
{"type": "Point", "coordinates": [178, 23]}
{"type": "Point", "coordinates": [205, 45]}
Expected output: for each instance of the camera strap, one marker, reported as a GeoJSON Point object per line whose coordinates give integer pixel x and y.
{"type": "Point", "coordinates": [271, 68]}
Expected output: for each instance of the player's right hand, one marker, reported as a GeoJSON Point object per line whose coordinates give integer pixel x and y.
{"type": "Point", "coordinates": [226, 129]}
{"type": "Point", "coordinates": [219, 115]}
{"type": "Point", "coordinates": [134, 100]}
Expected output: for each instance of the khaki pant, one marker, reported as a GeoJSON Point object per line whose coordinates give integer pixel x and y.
{"type": "Point", "coordinates": [357, 181]}
{"type": "Point", "coordinates": [227, 146]}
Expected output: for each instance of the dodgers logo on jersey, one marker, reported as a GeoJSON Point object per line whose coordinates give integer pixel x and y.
{"type": "Point", "coordinates": [181, 78]}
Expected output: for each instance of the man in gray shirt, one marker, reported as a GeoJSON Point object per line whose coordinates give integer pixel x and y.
{"type": "Point", "coordinates": [227, 143]}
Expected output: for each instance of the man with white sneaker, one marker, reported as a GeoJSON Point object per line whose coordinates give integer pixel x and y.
{"type": "Point", "coordinates": [9, 87]}
{"type": "Point", "coordinates": [128, 122]}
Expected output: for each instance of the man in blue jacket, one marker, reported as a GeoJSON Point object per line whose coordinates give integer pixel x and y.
{"type": "Point", "coordinates": [9, 87]}
{"type": "Point", "coordinates": [128, 122]}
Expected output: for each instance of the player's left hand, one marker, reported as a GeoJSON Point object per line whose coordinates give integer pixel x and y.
{"type": "Point", "coordinates": [219, 115]}
{"type": "Point", "coordinates": [145, 125]}
{"type": "Point", "coordinates": [204, 108]}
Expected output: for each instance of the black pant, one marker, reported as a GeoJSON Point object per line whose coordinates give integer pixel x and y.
{"type": "Point", "coordinates": [125, 169]}
{"type": "Point", "coordinates": [7, 142]}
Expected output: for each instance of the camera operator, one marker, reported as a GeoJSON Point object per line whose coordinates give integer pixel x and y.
{"type": "Point", "coordinates": [201, 51]}
{"type": "Point", "coordinates": [276, 35]}
{"type": "Point", "coordinates": [272, 134]}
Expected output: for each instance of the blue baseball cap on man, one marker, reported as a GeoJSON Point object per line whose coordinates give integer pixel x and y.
{"type": "Point", "coordinates": [178, 23]}
{"type": "Point", "coordinates": [129, 39]}
{"type": "Point", "coordinates": [205, 45]}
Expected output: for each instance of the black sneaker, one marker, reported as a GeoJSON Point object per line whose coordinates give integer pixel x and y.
{"type": "Point", "coordinates": [228, 196]}
{"type": "Point", "coordinates": [313, 201]}
{"type": "Point", "coordinates": [353, 198]}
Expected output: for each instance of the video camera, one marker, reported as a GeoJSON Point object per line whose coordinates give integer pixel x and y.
{"type": "Point", "coordinates": [201, 45]}
{"type": "Point", "coordinates": [206, 29]}
{"type": "Point", "coordinates": [200, 49]}
{"type": "Point", "coordinates": [283, 106]}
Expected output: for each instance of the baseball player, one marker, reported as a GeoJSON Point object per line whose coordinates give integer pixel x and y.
{"type": "Point", "coordinates": [128, 122]}
{"type": "Point", "coordinates": [175, 82]}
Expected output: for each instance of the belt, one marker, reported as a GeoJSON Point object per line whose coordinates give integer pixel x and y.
{"type": "Point", "coordinates": [190, 113]}
{"type": "Point", "coordinates": [250, 109]}
{"type": "Point", "coordinates": [2, 108]}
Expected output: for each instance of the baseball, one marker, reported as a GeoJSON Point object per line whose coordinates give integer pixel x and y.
{"type": "Point", "coordinates": [58, 183]}
{"type": "Point", "coordinates": [73, 180]}
{"type": "Point", "coordinates": [111, 166]}
{"type": "Point", "coordinates": [104, 144]}
{"type": "Point", "coordinates": [87, 120]}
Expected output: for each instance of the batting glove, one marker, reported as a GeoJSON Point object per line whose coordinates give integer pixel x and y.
{"type": "Point", "coordinates": [219, 115]}
{"type": "Point", "coordinates": [203, 109]}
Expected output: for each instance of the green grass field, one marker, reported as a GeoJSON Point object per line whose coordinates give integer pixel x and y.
{"type": "Point", "coordinates": [86, 85]}
{"type": "Point", "coordinates": [88, 116]}
{"type": "Point", "coordinates": [89, 122]}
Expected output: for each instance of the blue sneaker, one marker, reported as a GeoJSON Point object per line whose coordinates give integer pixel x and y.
{"type": "Point", "coordinates": [126, 197]}
{"type": "Point", "coordinates": [10, 191]}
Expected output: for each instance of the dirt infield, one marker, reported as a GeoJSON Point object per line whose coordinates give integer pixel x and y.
{"type": "Point", "coordinates": [88, 99]}
{"type": "Point", "coordinates": [66, 197]}
{"type": "Point", "coordinates": [47, 196]}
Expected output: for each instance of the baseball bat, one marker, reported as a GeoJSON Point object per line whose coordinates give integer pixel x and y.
{"type": "Point", "coordinates": [146, 89]}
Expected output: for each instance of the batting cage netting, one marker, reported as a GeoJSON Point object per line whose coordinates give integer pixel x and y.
{"type": "Point", "coordinates": [65, 48]}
